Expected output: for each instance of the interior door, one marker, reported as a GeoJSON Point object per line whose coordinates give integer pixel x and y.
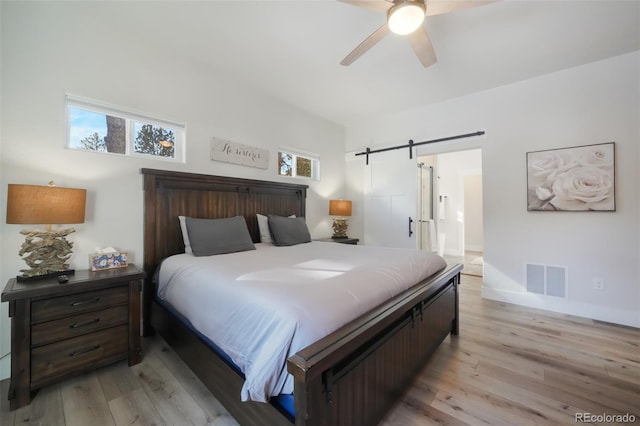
{"type": "Point", "coordinates": [390, 197]}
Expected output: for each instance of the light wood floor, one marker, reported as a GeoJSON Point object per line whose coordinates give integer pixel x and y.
{"type": "Point", "coordinates": [471, 261]}
{"type": "Point", "coordinates": [510, 365]}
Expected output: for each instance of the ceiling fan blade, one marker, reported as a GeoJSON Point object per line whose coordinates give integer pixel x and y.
{"type": "Point", "coordinates": [367, 44]}
{"type": "Point", "coordinates": [377, 5]}
{"type": "Point", "coordinates": [421, 44]}
{"type": "Point", "coordinates": [438, 7]}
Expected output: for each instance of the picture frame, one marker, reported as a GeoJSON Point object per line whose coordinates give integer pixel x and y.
{"type": "Point", "coordinates": [102, 261]}
{"type": "Point", "coordinates": [580, 178]}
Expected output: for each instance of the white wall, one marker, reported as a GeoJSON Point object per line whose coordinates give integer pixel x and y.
{"type": "Point", "coordinates": [594, 103]}
{"type": "Point", "coordinates": [49, 49]}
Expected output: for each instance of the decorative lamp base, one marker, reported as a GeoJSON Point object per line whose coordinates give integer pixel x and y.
{"type": "Point", "coordinates": [45, 252]}
{"type": "Point", "coordinates": [339, 228]}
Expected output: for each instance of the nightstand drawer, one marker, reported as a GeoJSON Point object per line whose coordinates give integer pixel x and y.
{"type": "Point", "coordinates": [59, 307]}
{"type": "Point", "coordinates": [78, 354]}
{"type": "Point", "coordinates": [65, 328]}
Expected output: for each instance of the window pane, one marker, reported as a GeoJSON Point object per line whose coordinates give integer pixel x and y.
{"type": "Point", "coordinates": [87, 130]}
{"type": "Point", "coordinates": [303, 167]}
{"type": "Point", "coordinates": [95, 131]}
{"type": "Point", "coordinates": [285, 162]}
{"type": "Point", "coordinates": [153, 140]}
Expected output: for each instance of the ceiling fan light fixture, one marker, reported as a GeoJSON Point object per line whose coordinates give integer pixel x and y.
{"type": "Point", "coordinates": [406, 16]}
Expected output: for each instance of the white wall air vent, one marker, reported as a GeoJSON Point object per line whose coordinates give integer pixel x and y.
{"type": "Point", "coordinates": [546, 280]}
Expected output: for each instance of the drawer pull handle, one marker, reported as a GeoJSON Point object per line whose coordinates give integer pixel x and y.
{"type": "Point", "coordinates": [82, 324]}
{"type": "Point", "coordinates": [84, 351]}
{"type": "Point", "coordinates": [84, 302]}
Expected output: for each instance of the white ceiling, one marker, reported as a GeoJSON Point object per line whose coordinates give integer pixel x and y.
{"type": "Point", "coordinates": [292, 49]}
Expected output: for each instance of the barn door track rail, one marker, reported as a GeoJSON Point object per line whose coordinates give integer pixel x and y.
{"type": "Point", "coordinates": [411, 144]}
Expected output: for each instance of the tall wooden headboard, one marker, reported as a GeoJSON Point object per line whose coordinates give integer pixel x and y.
{"type": "Point", "coordinates": [169, 194]}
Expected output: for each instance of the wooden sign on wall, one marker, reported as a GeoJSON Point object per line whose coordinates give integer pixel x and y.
{"type": "Point", "coordinates": [235, 153]}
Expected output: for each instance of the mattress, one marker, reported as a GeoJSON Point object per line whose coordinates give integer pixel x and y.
{"type": "Point", "coordinates": [262, 306]}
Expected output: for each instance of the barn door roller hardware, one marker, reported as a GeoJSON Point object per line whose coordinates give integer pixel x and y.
{"type": "Point", "coordinates": [411, 144]}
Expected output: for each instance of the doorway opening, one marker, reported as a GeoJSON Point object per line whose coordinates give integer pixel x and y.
{"type": "Point", "coordinates": [450, 208]}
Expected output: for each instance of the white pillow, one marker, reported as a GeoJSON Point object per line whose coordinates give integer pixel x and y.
{"type": "Point", "coordinates": [263, 226]}
{"type": "Point", "coordinates": [185, 235]}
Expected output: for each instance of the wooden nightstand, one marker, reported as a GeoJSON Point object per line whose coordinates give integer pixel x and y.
{"type": "Point", "coordinates": [352, 241]}
{"type": "Point", "coordinates": [59, 330]}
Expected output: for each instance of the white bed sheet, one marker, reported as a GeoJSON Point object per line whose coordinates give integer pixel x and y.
{"type": "Point", "coordinates": [263, 306]}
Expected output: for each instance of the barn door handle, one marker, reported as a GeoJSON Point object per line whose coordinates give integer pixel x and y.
{"type": "Point", "coordinates": [410, 222]}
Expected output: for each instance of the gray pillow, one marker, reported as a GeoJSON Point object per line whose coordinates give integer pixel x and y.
{"type": "Point", "coordinates": [218, 236]}
{"type": "Point", "coordinates": [287, 231]}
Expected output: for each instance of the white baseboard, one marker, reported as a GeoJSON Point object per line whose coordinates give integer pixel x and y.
{"type": "Point", "coordinates": [563, 306]}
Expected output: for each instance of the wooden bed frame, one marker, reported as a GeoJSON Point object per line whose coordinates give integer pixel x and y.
{"type": "Point", "coordinates": [352, 376]}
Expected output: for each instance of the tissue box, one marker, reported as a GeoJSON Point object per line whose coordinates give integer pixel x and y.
{"type": "Point", "coordinates": [101, 261]}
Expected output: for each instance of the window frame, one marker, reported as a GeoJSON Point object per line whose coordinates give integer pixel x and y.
{"type": "Point", "coordinates": [131, 118]}
{"type": "Point", "coordinates": [314, 159]}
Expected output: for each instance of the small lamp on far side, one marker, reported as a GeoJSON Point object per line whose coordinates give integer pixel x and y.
{"type": "Point", "coordinates": [341, 209]}
{"type": "Point", "coordinates": [46, 251]}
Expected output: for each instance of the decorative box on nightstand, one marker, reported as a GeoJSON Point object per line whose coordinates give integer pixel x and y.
{"type": "Point", "coordinates": [352, 241]}
{"type": "Point", "coordinates": [59, 330]}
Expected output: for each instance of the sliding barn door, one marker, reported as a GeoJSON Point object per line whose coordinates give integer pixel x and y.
{"type": "Point", "coordinates": [390, 195]}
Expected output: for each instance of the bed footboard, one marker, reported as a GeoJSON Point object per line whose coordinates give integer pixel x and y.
{"type": "Point", "coordinates": [355, 375]}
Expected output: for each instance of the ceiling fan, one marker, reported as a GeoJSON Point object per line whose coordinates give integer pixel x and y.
{"type": "Point", "coordinates": [405, 17]}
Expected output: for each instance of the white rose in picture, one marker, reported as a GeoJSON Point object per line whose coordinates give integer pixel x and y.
{"type": "Point", "coordinates": [596, 156]}
{"type": "Point", "coordinates": [545, 166]}
{"type": "Point", "coordinates": [575, 179]}
{"type": "Point", "coordinates": [583, 188]}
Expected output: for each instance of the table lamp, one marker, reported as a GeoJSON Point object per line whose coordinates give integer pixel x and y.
{"type": "Point", "coordinates": [46, 251]}
{"type": "Point", "coordinates": [340, 208]}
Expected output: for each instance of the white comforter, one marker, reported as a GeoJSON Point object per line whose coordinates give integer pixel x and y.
{"type": "Point", "coordinates": [264, 305]}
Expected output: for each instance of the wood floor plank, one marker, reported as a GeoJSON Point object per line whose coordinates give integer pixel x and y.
{"type": "Point", "coordinates": [561, 405]}
{"type": "Point", "coordinates": [117, 380]}
{"type": "Point", "coordinates": [548, 402]}
{"type": "Point", "coordinates": [47, 409]}
{"type": "Point", "coordinates": [484, 348]}
{"type": "Point", "coordinates": [482, 402]}
{"type": "Point", "coordinates": [84, 402]}
{"type": "Point", "coordinates": [136, 409]}
{"type": "Point", "coordinates": [581, 344]}
{"type": "Point", "coordinates": [466, 413]}
{"type": "Point", "coordinates": [615, 399]}
{"type": "Point", "coordinates": [622, 371]}
{"type": "Point", "coordinates": [175, 405]}
{"type": "Point", "coordinates": [411, 412]}
{"type": "Point", "coordinates": [192, 384]}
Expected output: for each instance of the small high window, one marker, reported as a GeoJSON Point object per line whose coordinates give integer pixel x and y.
{"type": "Point", "coordinates": [92, 126]}
{"type": "Point", "coordinates": [298, 165]}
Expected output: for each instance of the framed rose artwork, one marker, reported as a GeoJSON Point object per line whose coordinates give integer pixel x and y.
{"type": "Point", "coordinates": [580, 178]}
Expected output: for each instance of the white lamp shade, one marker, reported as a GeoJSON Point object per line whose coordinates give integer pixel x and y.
{"type": "Point", "coordinates": [404, 18]}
